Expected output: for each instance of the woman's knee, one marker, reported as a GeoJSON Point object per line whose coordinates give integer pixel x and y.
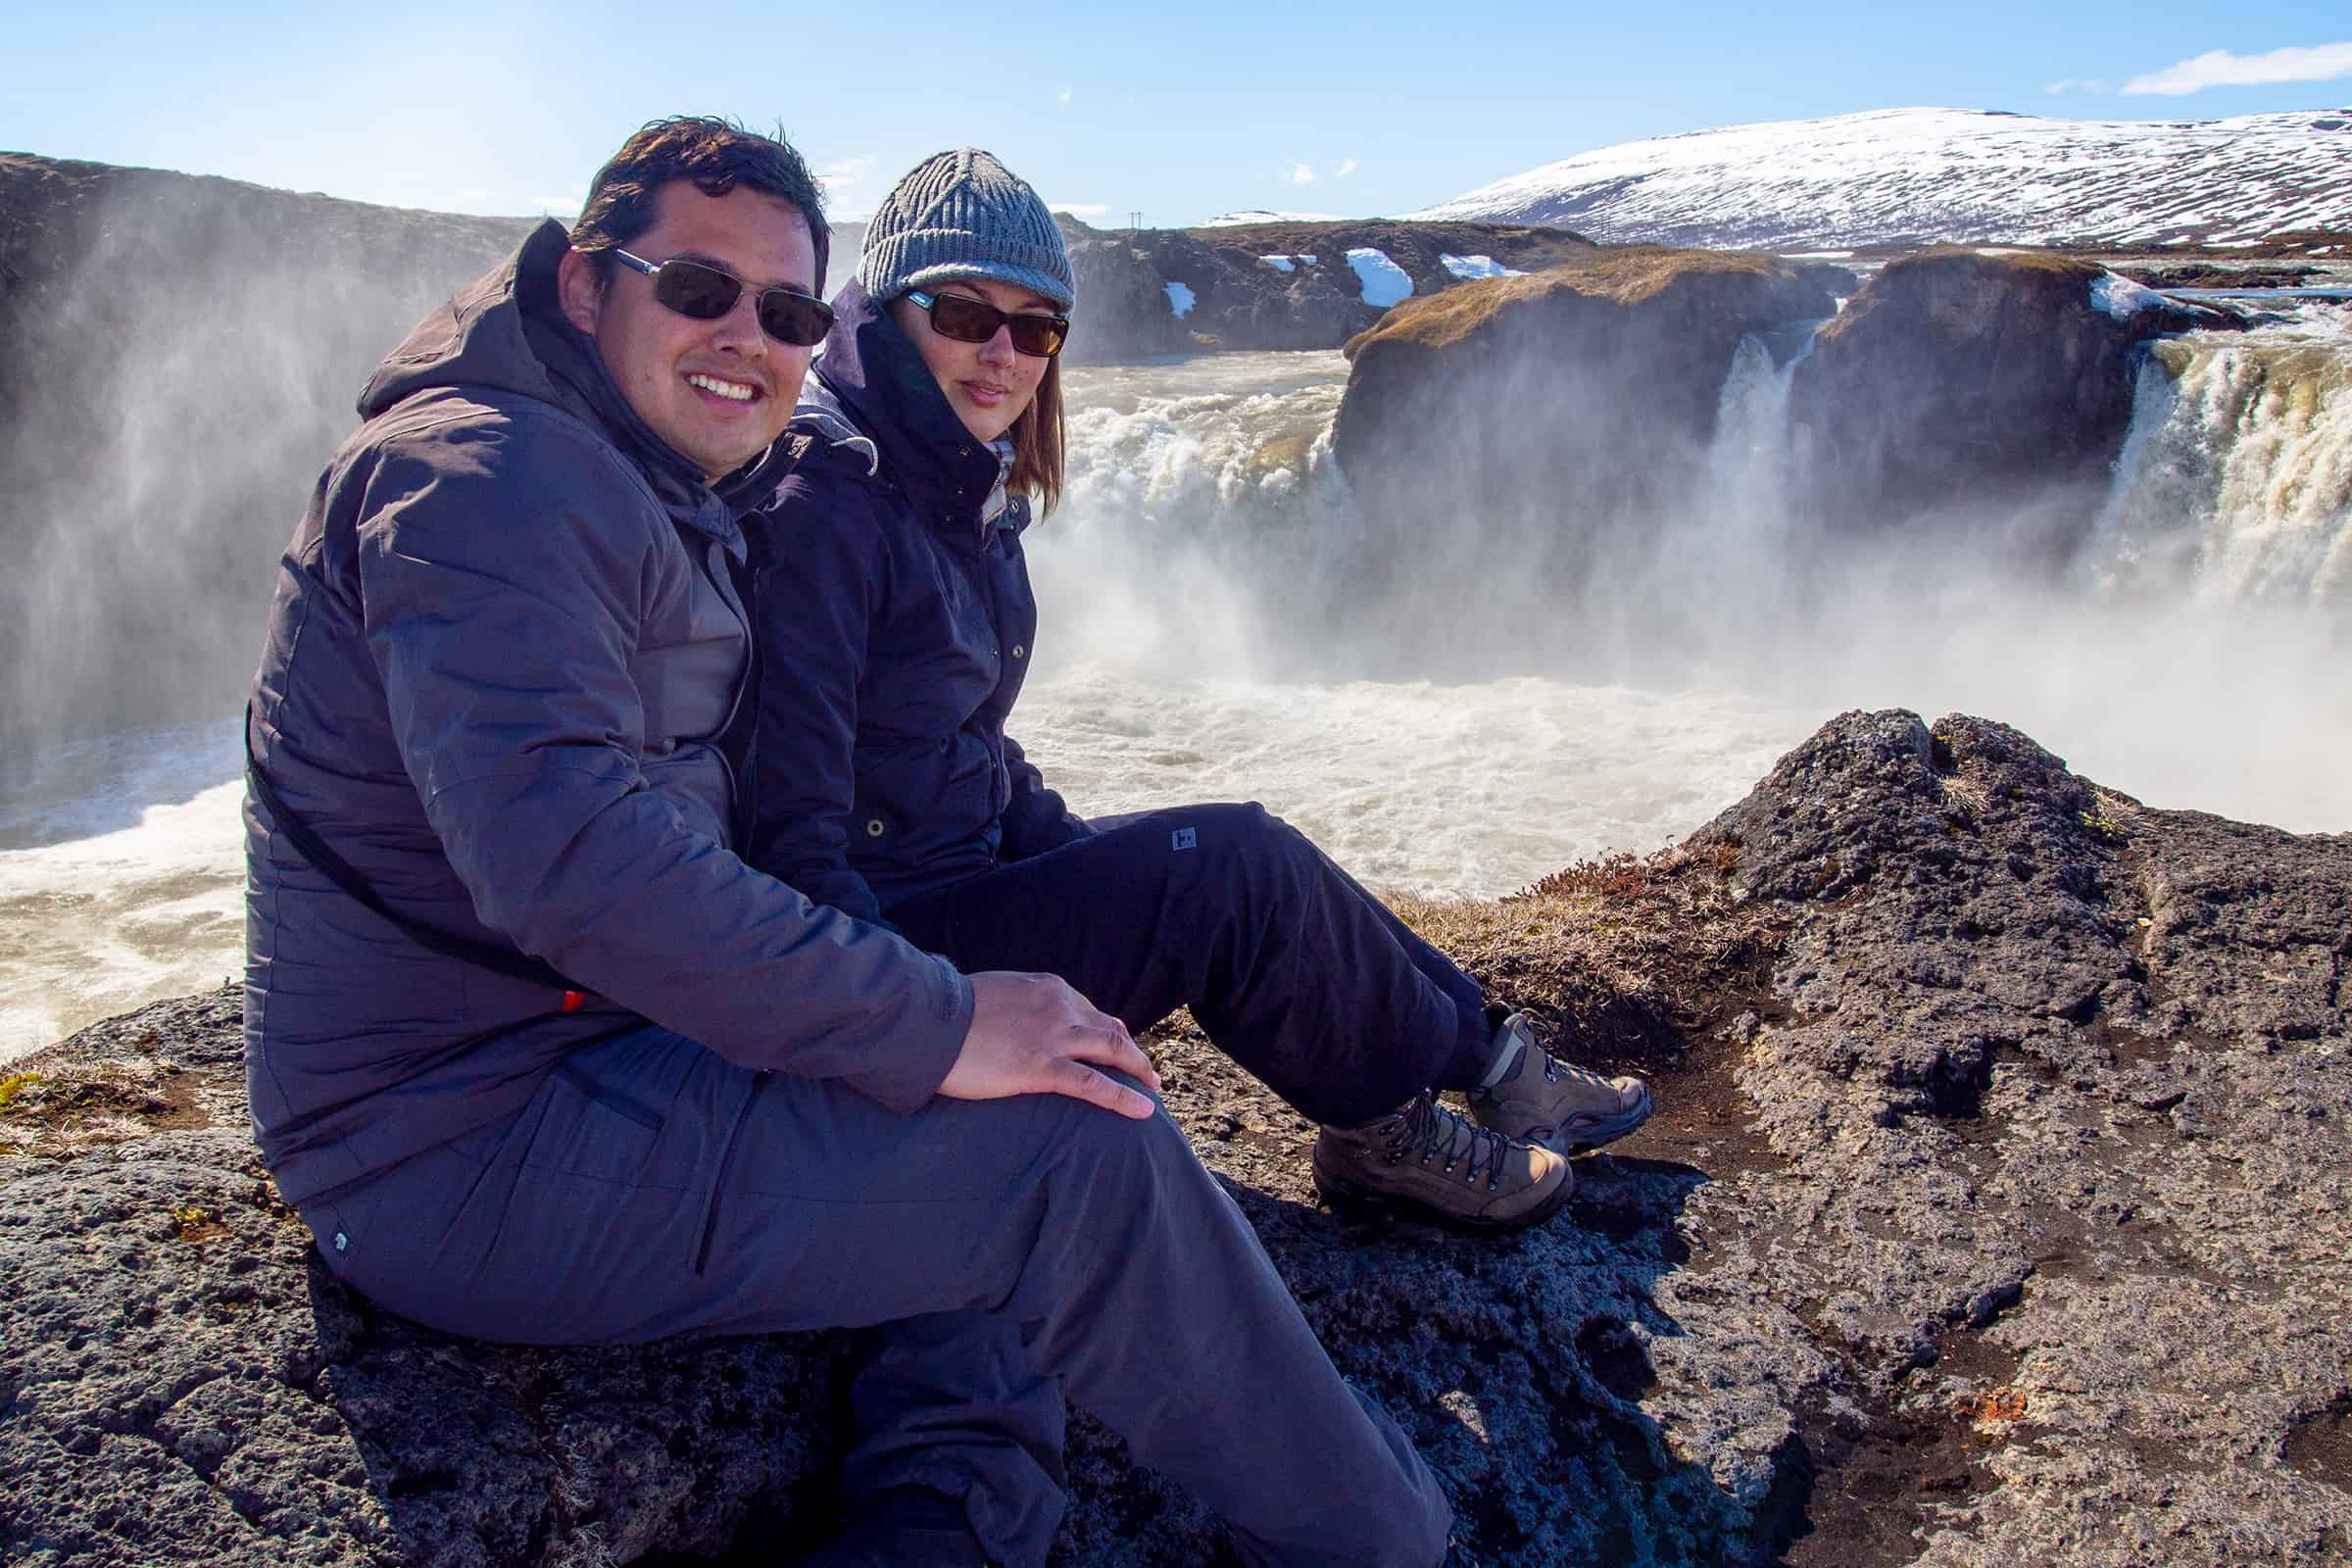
{"type": "Point", "coordinates": [1249, 837]}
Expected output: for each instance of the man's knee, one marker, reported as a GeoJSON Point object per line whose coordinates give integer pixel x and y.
{"type": "Point", "coordinates": [1116, 1172]}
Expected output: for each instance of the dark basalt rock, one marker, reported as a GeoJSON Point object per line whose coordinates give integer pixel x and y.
{"type": "Point", "coordinates": [1981, 398]}
{"type": "Point", "coordinates": [1995, 1212]}
{"type": "Point", "coordinates": [1519, 427]}
{"type": "Point", "coordinates": [2210, 274]}
{"type": "Point", "coordinates": [1240, 300]}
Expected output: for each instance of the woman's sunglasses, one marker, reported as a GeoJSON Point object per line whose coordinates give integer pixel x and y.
{"type": "Point", "coordinates": [701, 292]}
{"type": "Point", "coordinates": [970, 320]}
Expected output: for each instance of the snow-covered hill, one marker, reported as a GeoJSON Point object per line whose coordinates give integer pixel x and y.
{"type": "Point", "coordinates": [1907, 175]}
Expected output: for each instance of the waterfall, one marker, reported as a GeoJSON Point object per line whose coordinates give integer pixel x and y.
{"type": "Point", "coordinates": [2235, 482]}
{"type": "Point", "coordinates": [1204, 523]}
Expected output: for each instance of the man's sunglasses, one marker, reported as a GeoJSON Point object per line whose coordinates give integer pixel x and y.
{"type": "Point", "coordinates": [701, 292]}
{"type": "Point", "coordinates": [970, 320]}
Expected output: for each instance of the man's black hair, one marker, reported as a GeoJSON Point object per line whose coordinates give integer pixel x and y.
{"type": "Point", "coordinates": [716, 155]}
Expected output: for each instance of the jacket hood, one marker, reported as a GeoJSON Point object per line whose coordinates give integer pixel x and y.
{"type": "Point", "coordinates": [506, 333]}
{"type": "Point", "coordinates": [875, 379]}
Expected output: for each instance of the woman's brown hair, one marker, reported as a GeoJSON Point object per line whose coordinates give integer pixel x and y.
{"type": "Point", "coordinates": [1037, 444]}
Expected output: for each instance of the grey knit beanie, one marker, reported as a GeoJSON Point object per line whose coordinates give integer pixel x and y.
{"type": "Point", "coordinates": [964, 214]}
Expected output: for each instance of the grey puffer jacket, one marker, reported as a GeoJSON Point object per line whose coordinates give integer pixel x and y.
{"type": "Point", "coordinates": [502, 667]}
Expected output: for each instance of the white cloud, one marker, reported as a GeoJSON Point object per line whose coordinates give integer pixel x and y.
{"type": "Point", "coordinates": [1079, 209]}
{"type": "Point", "coordinates": [1065, 97]}
{"type": "Point", "coordinates": [2219, 67]}
{"type": "Point", "coordinates": [844, 171]}
{"type": "Point", "coordinates": [1302, 174]}
{"type": "Point", "coordinates": [1348, 166]}
{"type": "Point", "coordinates": [2077, 85]}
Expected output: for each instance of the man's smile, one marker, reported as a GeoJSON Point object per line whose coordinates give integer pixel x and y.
{"type": "Point", "coordinates": [717, 387]}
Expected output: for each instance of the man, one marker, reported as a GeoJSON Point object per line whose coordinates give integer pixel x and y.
{"type": "Point", "coordinates": [538, 1059]}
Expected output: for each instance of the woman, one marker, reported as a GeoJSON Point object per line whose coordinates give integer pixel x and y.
{"type": "Point", "coordinates": [897, 623]}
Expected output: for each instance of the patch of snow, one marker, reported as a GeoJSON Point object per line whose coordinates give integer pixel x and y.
{"type": "Point", "coordinates": [1180, 301]}
{"type": "Point", "coordinates": [1384, 282]}
{"type": "Point", "coordinates": [2122, 298]}
{"type": "Point", "coordinates": [1476, 267]}
{"type": "Point", "coordinates": [1817, 256]}
{"type": "Point", "coordinates": [1908, 175]}
{"type": "Point", "coordinates": [1260, 215]}
{"type": "Point", "coordinates": [1280, 263]}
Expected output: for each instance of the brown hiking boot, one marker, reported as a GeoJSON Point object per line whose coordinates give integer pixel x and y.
{"type": "Point", "coordinates": [1542, 1099]}
{"type": "Point", "coordinates": [1423, 1159]}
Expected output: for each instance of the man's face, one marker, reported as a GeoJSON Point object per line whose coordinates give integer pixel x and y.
{"type": "Point", "coordinates": [719, 392]}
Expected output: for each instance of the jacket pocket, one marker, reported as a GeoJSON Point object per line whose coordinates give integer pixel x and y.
{"type": "Point", "coordinates": [584, 1128]}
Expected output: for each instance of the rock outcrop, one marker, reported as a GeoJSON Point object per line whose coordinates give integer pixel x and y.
{"type": "Point", "coordinates": [1548, 412]}
{"type": "Point", "coordinates": [1230, 296]}
{"type": "Point", "coordinates": [1995, 1212]}
{"type": "Point", "coordinates": [1979, 397]}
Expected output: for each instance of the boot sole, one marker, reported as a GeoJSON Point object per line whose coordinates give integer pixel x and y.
{"type": "Point", "coordinates": [1588, 1138]}
{"type": "Point", "coordinates": [1592, 1136]}
{"type": "Point", "coordinates": [1340, 1195]}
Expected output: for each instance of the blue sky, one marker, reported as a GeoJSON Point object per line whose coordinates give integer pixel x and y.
{"type": "Point", "coordinates": [1180, 113]}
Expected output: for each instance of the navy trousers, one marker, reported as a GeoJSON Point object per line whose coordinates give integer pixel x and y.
{"type": "Point", "coordinates": [1012, 1251]}
{"type": "Point", "coordinates": [1293, 970]}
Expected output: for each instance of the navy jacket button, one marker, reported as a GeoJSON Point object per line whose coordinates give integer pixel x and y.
{"type": "Point", "coordinates": [873, 828]}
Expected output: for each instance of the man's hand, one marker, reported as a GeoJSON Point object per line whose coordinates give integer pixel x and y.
{"type": "Point", "coordinates": [1031, 1034]}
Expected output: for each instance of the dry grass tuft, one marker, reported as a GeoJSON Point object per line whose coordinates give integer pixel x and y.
{"type": "Point", "coordinates": [1620, 276]}
{"type": "Point", "coordinates": [2021, 261]}
{"type": "Point", "coordinates": [1625, 962]}
{"type": "Point", "coordinates": [91, 1105]}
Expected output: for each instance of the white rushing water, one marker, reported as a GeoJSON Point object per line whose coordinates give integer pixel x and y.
{"type": "Point", "coordinates": [1197, 642]}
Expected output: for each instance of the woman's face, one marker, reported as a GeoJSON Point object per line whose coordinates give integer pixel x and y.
{"type": "Point", "coordinates": [987, 384]}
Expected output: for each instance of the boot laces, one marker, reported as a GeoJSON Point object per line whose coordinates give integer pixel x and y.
{"type": "Point", "coordinates": [1554, 1069]}
{"type": "Point", "coordinates": [1432, 1132]}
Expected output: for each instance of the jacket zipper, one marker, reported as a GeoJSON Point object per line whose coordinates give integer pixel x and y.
{"type": "Point", "coordinates": [736, 818]}
{"type": "Point", "coordinates": [998, 778]}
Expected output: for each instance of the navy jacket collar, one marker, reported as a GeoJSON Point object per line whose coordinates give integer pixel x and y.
{"type": "Point", "coordinates": [882, 383]}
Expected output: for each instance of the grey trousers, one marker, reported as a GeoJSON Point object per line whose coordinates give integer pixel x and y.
{"type": "Point", "coordinates": [1011, 1250]}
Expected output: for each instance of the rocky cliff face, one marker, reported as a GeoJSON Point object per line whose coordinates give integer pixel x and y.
{"type": "Point", "coordinates": [1581, 397]}
{"type": "Point", "coordinates": [1284, 285]}
{"type": "Point", "coordinates": [183, 355]}
{"type": "Point", "coordinates": [1977, 392]}
{"type": "Point", "coordinates": [1995, 1212]}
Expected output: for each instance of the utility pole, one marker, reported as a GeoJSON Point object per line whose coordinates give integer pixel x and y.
{"type": "Point", "coordinates": [1134, 220]}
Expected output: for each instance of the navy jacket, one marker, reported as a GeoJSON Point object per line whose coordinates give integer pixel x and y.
{"type": "Point", "coordinates": [896, 630]}
{"type": "Point", "coordinates": [503, 660]}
